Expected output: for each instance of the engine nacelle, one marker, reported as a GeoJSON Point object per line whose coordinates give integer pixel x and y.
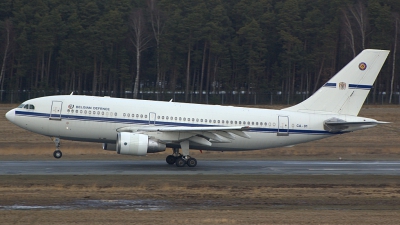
{"type": "Point", "coordinates": [137, 144]}
{"type": "Point", "coordinates": [109, 147]}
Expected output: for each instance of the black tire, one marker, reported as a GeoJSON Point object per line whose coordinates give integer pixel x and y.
{"type": "Point", "coordinates": [57, 154]}
{"type": "Point", "coordinates": [170, 159]}
{"type": "Point", "coordinates": [192, 162]}
{"type": "Point", "coordinates": [180, 162]}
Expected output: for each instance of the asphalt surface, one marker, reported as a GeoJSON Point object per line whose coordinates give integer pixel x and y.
{"type": "Point", "coordinates": [204, 167]}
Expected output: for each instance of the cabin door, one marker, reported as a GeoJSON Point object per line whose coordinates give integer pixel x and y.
{"type": "Point", "coordinates": [283, 126]}
{"type": "Point", "coordinates": [55, 113]}
{"type": "Point", "coordinates": [152, 118]}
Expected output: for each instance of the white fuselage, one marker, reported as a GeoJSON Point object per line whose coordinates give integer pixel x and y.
{"type": "Point", "coordinates": [96, 119]}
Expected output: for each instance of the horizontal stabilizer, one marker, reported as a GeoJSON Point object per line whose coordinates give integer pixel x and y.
{"type": "Point", "coordinates": [335, 125]}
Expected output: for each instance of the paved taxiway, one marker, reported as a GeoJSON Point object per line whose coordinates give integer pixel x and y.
{"type": "Point", "coordinates": [205, 167]}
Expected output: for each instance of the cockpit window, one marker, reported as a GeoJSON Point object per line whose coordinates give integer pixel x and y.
{"type": "Point", "coordinates": [21, 106]}
{"type": "Point", "coordinates": [28, 106]}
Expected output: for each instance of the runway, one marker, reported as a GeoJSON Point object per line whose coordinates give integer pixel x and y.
{"type": "Point", "coordinates": [206, 167]}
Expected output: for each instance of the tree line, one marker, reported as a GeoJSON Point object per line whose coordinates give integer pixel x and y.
{"type": "Point", "coordinates": [114, 47]}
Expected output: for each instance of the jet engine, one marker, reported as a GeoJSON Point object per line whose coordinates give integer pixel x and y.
{"type": "Point", "coordinates": [137, 144]}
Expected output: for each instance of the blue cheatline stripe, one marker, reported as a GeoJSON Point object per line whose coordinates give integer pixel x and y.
{"type": "Point", "coordinates": [330, 85]}
{"type": "Point", "coordinates": [360, 86]}
{"type": "Point", "coordinates": [162, 123]}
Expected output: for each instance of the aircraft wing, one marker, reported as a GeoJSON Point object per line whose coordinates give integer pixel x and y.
{"type": "Point", "coordinates": [200, 135]}
{"type": "Point", "coordinates": [335, 125]}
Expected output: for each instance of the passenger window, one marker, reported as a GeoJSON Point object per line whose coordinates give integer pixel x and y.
{"type": "Point", "coordinates": [201, 120]}
{"type": "Point", "coordinates": [102, 113]}
{"type": "Point", "coordinates": [128, 115]}
{"type": "Point", "coordinates": [167, 117]}
{"type": "Point", "coordinates": [124, 114]}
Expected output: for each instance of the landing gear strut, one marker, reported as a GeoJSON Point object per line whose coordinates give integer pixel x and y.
{"type": "Point", "coordinates": [181, 160]}
{"type": "Point", "coordinates": [57, 153]}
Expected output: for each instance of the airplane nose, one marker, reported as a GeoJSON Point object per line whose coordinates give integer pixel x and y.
{"type": "Point", "coordinates": [10, 115]}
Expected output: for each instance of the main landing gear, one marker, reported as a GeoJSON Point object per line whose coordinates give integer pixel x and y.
{"type": "Point", "coordinates": [57, 153]}
{"type": "Point", "coordinates": [181, 160]}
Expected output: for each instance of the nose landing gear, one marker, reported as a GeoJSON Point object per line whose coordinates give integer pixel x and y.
{"type": "Point", "coordinates": [57, 153]}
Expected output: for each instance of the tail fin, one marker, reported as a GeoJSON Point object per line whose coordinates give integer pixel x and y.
{"type": "Point", "coordinates": [346, 92]}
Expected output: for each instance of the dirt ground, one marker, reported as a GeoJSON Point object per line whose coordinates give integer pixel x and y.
{"type": "Point", "coordinates": [205, 199]}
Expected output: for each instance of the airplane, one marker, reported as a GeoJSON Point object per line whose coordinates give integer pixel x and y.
{"type": "Point", "coordinates": [138, 127]}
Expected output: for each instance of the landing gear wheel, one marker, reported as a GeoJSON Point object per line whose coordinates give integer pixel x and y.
{"type": "Point", "coordinates": [192, 162]}
{"type": "Point", "coordinates": [57, 154]}
{"type": "Point", "coordinates": [170, 159]}
{"type": "Point", "coordinates": [180, 162]}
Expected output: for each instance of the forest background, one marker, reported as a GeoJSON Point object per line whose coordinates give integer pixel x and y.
{"type": "Point", "coordinates": [193, 50]}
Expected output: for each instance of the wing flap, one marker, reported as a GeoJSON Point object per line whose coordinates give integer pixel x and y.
{"type": "Point", "coordinates": [200, 140]}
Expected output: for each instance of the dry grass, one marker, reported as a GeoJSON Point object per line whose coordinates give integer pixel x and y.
{"type": "Point", "coordinates": [381, 142]}
{"type": "Point", "coordinates": [207, 199]}
{"type": "Point", "coordinates": [210, 199]}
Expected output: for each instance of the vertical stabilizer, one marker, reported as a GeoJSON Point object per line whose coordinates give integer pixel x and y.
{"type": "Point", "coordinates": [346, 92]}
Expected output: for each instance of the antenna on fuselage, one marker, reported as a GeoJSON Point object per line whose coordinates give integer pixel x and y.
{"type": "Point", "coordinates": [171, 100]}
{"type": "Point", "coordinates": [72, 93]}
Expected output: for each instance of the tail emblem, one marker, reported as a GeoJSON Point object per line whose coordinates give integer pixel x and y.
{"type": "Point", "coordinates": [342, 85]}
{"type": "Point", "coordinates": [362, 66]}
